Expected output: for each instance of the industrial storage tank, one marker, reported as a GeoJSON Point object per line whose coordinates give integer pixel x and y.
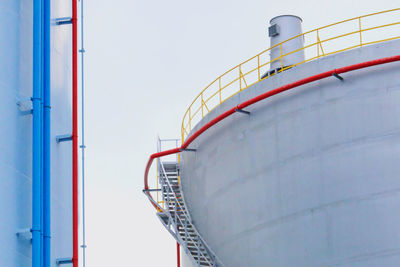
{"type": "Point", "coordinates": [36, 213]}
{"type": "Point", "coordinates": [296, 165]}
{"type": "Point", "coordinates": [310, 178]}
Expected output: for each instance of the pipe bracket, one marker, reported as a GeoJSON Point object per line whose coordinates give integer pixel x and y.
{"type": "Point", "coordinates": [25, 107]}
{"type": "Point", "coordinates": [63, 261]}
{"type": "Point", "coordinates": [63, 21]}
{"type": "Point", "coordinates": [188, 149]}
{"type": "Point", "coordinates": [25, 233]}
{"type": "Point", "coordinates": [63, 138]}
{"type": "Point", "coordinates": [337, 76]}
{"type": "Point", "coordinates": [242, 111]}
{"type": "Point", "coordinates": [151, 190]}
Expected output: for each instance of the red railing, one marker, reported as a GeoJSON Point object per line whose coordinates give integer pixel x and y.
{"type": "Point", "coordinates": [254, 100]}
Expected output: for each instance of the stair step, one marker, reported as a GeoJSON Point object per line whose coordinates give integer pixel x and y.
{"type": "Point", "coordinates": [177, 212]}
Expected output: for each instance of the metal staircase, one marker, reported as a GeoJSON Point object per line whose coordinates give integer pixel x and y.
{"type": "Point", "coordinates": [176, 219]}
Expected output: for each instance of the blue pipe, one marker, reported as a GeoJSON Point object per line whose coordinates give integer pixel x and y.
{"type": "Point", "coordinates": [83, 147]}
{"type": "Point", "coordinates": [37, 134]}
{"type": "Point", "coordinates": [42, 135]}
{"type": "Point", "coordinates": [46, 137]}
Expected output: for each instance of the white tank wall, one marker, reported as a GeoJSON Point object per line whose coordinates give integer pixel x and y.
{"type": "Point", "coordinates": [311, 177]}
{"type": "Point", "coordinates": [16, 132]}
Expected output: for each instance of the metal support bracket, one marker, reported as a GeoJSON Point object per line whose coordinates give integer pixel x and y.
{"type": "Point", "coordinates": [242, 111]}
{"type": "Point", "coordinates": [63, 261]}
{"type": "Point", "coordinates": [151, 190]}
{"type": "Point", "coordinates": [187, 149]}
{"type": "Point", "coordinates": [337, 76]}
{"type": "Point", "coordinates": [25, 233]}
{"type": "Point", "coordinates": [63, 21]}
{"type": "Point", "coordinates": [63, 138]}
{"type": "Point", "coordinates": [25, 107]}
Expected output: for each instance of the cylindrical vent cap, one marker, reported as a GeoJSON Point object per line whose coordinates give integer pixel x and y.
{"type": "Point", "coordinates": [283, 28]}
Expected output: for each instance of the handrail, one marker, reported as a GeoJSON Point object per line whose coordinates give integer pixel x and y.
{"type": "Point", "coordinates": [252, 101]}
{"type": "Point", "coordinates": [236, 80]}
{"type": "Point", "coordinates": [159, 148]}
{"type": "Point", "coordinates": [186, 215]}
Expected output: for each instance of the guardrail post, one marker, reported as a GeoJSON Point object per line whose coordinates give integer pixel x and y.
{"type": "Point", "coordinates": [220, 97]}
{"type": "Point", "coordinates": [202, 110]}
{"type": "Point", "coordinates": [281, 56]}
{"type": "Point", "coordinates": [258, 67]}
{"type": "Point", "coordinates": [317, 44]}
{"type": "Point", "coordinates": [190, 118]}
{"type": "Point", "coordinates": [359, 28]}
{"type": "Point", "coordinates": [240, 77]}
{"type": "Point", "coordinates": [183, 132]}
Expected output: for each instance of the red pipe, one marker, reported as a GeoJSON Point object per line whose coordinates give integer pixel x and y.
{"type": "Point", "coordinates": [75, 241]}
{"type": "Point", "coordinates": [257, 99]}
{"type": "Point", "coordinates": [253, 101]}
{"type": "Point", "coordinates": [146, 172]}
{"type": "Point", "coordinates": [178, 255]}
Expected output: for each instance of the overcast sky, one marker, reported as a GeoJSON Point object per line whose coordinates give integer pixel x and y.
{"type": "Point", "coordinates": [145, 63]}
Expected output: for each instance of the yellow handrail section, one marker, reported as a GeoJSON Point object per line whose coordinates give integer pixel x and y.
{"type": "Point", "coordinates": [330, 39]}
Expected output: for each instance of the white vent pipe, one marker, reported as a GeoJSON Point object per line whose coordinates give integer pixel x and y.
{"type": "Point", "coordinates": [283, 28]}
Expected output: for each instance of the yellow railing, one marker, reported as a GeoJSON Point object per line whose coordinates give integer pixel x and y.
{"type": "Point", "coordinates": [330, 39]}
{"type": "Point", "coordinates": [165, 144]}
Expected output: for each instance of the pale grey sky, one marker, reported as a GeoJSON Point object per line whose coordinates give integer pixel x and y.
{"type": "Point", "coordinates": [145, 63]}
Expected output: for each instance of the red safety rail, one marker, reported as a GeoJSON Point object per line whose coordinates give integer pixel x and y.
{"type": "Point", "coordinates": [75, 241]}
{"type": "Point", "coordinates": [178, 255]}
{"type": "Point", "coordinates": [258, 99]}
